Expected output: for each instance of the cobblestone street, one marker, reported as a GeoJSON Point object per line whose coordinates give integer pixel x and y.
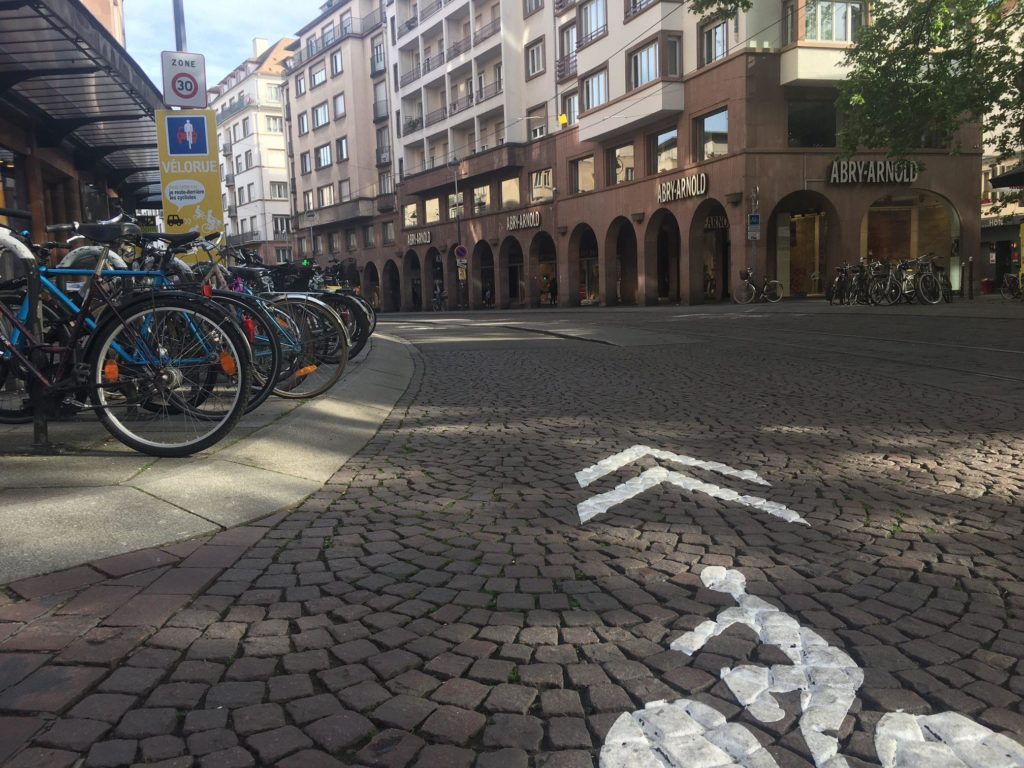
{"type": "Point", "coordinates": [439, 603]}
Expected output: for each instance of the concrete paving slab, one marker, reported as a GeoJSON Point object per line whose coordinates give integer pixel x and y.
{"type": "Point", "coordinates": [73, 471]}
{"type": "Point", "coordinates": [47, 529]}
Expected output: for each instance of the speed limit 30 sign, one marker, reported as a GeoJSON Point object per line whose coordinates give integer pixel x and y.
{"type": "Point", "coordinates": [184, 79]}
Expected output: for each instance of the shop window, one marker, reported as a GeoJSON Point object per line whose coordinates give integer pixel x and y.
{"type": "Point", "coordinates": [481, 199]}
{"type": "Point", "coordinates": [410, 216]}
{"type": "Point", "coordinates": [510, 193]}
{"type": "Point", "coordinates": [581, 174]}
{"type": "Point", "coordinates": [833, 21]}
{"type": "Point", "coordinates": [432, 208]}
{"type": "Point", "coordinates": [811, 123]}
{"type": "Point", "coordinates": [621, 166]}
{"type": "Point", "coordinates": [643, 65]}
{"type": "Point", "coordinates": [713, 135]}
{"type": "Point", "coordinates": [454, 206]}
{"type": "Point", "coordinates": [714, 42]}
{"type": "Point", "coordinates": [541, 190]}
{"type": "Point", "coordinates": [664, 149]}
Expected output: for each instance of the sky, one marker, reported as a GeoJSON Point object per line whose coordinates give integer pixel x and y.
{"type": "Point", "coordinates": [221, 30]}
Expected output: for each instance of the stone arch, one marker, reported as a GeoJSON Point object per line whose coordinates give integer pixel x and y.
{"type": "Point", "coordinates": [543, 268]}
{"type": "Point", "coordinates": [412, 282]}
{"type": "Point", "coordinates": [662, 257]}
{"type": "Point", "coordinates": [482, 288]}
{"type": "Point", "coordinates": [391, 288]}
{"type": "Point", "coordinates": [710, 269]}
{"type": "Point", "coordinates": [511, 274]}
{"type": "Point", "coordinates": [802, 244]}
{"type": "Point", "coordinates": [584, 274]}
{"type": "Point", "coordinates": [618, 264]}
{"type": "Point", "coordinates": [370, 284]}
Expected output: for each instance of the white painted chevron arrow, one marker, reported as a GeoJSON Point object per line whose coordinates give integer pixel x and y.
{"type": "Point", "coordinates": [597, 505]}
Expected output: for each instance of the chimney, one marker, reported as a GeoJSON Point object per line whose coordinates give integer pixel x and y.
{"type": "Point", "coordinates": [259, 46]}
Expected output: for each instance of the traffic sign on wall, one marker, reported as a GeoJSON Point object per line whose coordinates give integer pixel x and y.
{"type": "Point", "coordinates": [184, 79]}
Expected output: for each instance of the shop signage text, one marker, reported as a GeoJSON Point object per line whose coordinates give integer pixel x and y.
{"type": "Point", "coordinates": [716, 222]}
{"type": "Point", "coordinates": [873, 172]}
{"type": "Point", "coordinates": [419, 238]}
{"type": "Point", "coordinates": [527, 220]}
{"type": "Point", "coordinates": [683, 187]}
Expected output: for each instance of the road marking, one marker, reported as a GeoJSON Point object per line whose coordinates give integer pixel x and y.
{"type": "Point", "coordinates": [597, 505]}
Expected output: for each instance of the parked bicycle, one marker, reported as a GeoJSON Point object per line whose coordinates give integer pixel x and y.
{"type": "Point", "coordinates": [1013, 284]}
{"type": "Point", "coordinates": [747, 290]}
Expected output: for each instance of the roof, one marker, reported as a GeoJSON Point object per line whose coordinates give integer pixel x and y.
{"type": "Point", "coordinates": [65, 77]}
{"type": "Point", "coordinates": [1011, 178]}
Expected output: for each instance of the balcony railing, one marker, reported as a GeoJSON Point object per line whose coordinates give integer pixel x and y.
{"type": "Point", "coordinates": [411, 125]}
{"type": "Point", "coordinates": [433, 62]}
{"type": "Point", "coordinates": [225, 149]}
{"type": "Point", "coordinates": [460, 104]}
{"type": "Point", "coordinates": [386, 202]}
{"type": "Point", "coordinates": [487, 30]}
{"type": "Point", "coordinates": [411, 76]}
{"type": "Point", "coordinates": [430, 9]}
{"type": "Point", "coordinates": [334, 35]}
{"type": "Point", "coordinates": [242, 238]}
{"type": "Point", "coordinates": [383, 155]}
{"type": "Point", "coordinates": [380, 110]}
{"type": "Point", "coordinates": [377, 66]}
{"type": "Point", "coordinates": [459, 46]}
{"type": "Point", "coordinates": [234, 109]}
{"type": "Point", "coordinates": [591, 36]}
{"type": "Point", "coordinates": [229, 179]}
{"type": "Point", "coordinates": [232, 211]}
{"type": "Point", "coordinates": [436, 116]}
{"type": "Point", "coordinates": [563, 5]}
{"type": "Point", "coordinates": [356, 208]}
{"type": "Point", "coordinates": [634, 7]}
{"type": "Point", "coordinates": [565, 67]}
{"type": "Point", "coordinates": [489, 91]}
{"type": "Point", "coordinates": [407, 25]}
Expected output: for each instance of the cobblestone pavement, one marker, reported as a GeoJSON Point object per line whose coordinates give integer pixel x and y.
{"type": "Point", "coordinates": [439, 604]}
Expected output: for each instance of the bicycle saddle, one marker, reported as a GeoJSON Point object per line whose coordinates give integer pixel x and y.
{"type": "Point", "coordinates": [108, 233]}
{"type": "Point", "coordinates": [167, 237]}
{"type": "Point", "coordinates": [252, 272]}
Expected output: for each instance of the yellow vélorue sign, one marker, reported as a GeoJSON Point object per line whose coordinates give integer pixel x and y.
{"type": "Point", "coordinates": [189, 170]}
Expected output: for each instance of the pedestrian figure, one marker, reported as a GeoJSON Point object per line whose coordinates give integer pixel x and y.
{"type": "Point", "coordinates": [553, 291]}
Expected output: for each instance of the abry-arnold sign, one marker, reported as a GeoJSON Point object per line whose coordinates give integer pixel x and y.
{"type": "Point", "coordinates": [873, 172]}
{"type": "Point", "coordinates": [683, 187]}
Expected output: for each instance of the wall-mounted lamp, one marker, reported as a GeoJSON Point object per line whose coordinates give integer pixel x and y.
{"type": "Point", "coordinates": [638, 216]}
{"type": "Point", "coordinates": [734, 198]}
{"type": "Point", "coordinates": [562, 229]}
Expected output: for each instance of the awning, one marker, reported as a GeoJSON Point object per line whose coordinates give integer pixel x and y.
{"type": "Point", "coordinates": [67, 79]}
{"type": "Point", "coordinates": [1012, 178]}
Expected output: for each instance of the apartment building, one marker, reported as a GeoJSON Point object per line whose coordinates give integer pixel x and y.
{"type": "Point", "coordinates": [249, 103]}
{"type": "Point", "coordinates": [607, 152]}
{"type": "Point", "coordinates": [339, 135]}
{"type": "Point", "coordinates": [1002, 222]}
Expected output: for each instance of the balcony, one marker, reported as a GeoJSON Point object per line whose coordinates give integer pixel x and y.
{"type": "Point", "coordinates": [638, 108]}
{"type": "Point", "coordinates": [484, 163]}
{"type": "Point", "coordinates": [407, 25]}
{"type": "Point", "coordinates": [806, 64]}
{"type": "Point", "coordinates": [229, 179]}
{"type": "Point", "coordinates": [383, 155]}
{"type": "Point", "coordinates": [233, 109]}
{"type": "Point", "coordinates": [591, 36]}
{"type": "Point", "coordinates": [357, 208]}
{"type": "Point", "coordinates": [411, 125]}
{"type": "Point", "coordinates": [460, 104]}
{"type": "Point", "coordinates": [459, 46]}
{"type": "Point", "coordinates": [489, 91]}
{"type": "Point", "coordinates": [409, 77]}
{"type": "Point", "coordinates": [377, 66]}
{"type": "Point", "coordinates": [334, 35]}
{"type": "Point", "coordinates": [436, 116]}
{"type": "Point", "coordinates": [561, 6]}
{"type": "Point", "coordinates": [565, 67]}
{"type": "Point", "coordinates": [225, 149]}
{"type": "Point", "coordinates": [430, 9]}
{"type": "Point", "coordinates": [386, 202]}
{"type": "Point", "coordinates": [636, 7]}
{"type": "Point", "coordinates": [487, 30]}
{"type": "Point", "coordinates": [380, 111]}
{"type": "Point", "coordinates": [232, 211]}
{"type": "Point", "coordinates": [242, 238]}
{"type": "Point", "coordinates": [433, 62]}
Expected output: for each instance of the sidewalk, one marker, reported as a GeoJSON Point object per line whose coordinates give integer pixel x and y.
{"type": "Point", "coordinates": [98, 500]}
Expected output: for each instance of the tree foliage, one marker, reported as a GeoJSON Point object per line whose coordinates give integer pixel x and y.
{"type": "Point", "coordinates": [924, 68]}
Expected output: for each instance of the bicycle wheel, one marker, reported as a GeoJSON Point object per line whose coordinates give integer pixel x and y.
{"type": "Point", "coordinates": [743, 293]}
{"type": "Point", "coordinates": [773, 291]}
{"type": "Point", "coordinates": [261, 334]}
{"type": "Point", "coordinates": [15, 404]}
{"type": "Point", "coordinates": [170, 377]}
{"type": "Point", "coordinates": [358, 323]}
{"type": "Point", "coordinates": [928, 289]}
{"type": "Point", "coordinates": [1008, 289]}
{"type": "Point", "coordinates": [315, 347]}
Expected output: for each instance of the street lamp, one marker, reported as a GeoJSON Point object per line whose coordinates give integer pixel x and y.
{"type": "Point", "coordinates": [311, 217]}
{"type": "Point", "coordinates": [454, 165]}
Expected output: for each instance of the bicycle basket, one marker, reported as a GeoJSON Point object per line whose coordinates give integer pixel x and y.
{"type": "Point", "coordinates": [744, 274]}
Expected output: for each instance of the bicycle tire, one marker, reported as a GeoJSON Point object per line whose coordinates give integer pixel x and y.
{"type": "Point", "coordinates": [315, 360]}
{"type": "Point", "coordinates": [263, 339]}
{"type": "Point", "coordinates": [773, 291]}
{"type": "Point", "coordinates": [15, 405]}
{"type": "Point", "coordinates": [928, 289]}
{"type": "Point", "coordinates": [126, 382]}
{"type": "Point", "coordinates": [358, 322]}
{"type": "Point", "coordinates": [1008, 290]}
{"type": "Point", "coordinates": [743, 293]}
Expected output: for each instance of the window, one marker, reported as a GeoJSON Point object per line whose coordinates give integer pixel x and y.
{"type": "Point", "coordinates": [342, 147]}
{"type": "Point", "coordinates": [581, 174]}
{"type": "Point", "coordinates": [571, 108]}
{"type": "Point", "coordinates": [248, 159]}
{"type": "Point", "coordinates": [282, 225]}
{"type": "Point", "coordinates": [300, 85]}
{"type": "Point", "coordinates": [432, 209]}
{"type": "Point", "coordinates": [510, 193]}
{"type": "Point", "coordinates": [325, 195]}
{"type": "Point", "coordinates": [303, 121]}
{"type": "Point", "coordinates": [532, 6]}
{"type": "Point", "coordinates": [345, 190]}
{"type": "Point", "coordinates": [318, 76]}
{"type": "Point", "coordinates": [320, 115]}
{"type": "Point", "coordinates": [811, 123]}
{"type": "Point", "coordinates": [455, 208]}
{"type": "Point", "coordinates": [318, 242]}
{"type": "Point", "coordinates": [368, 239]}
{"type": "Point", "coordinates": [274, 93]}
{"type": "Point", "coordinates": [567, 40]}
{"type": "Point", "coordinates": [240, 194]}
{"type": "Point", "coordinates": [336, 64]}
{"type": "Point", "coordinates": [302, 246]}
{"type": "Point", "coordinates": [339, 106]}
{"type": "Point", "coordinates": [537, 119]}
{"type": "Point", "coordinates": [283, 255]}
{"type": "Point", "coordinates": [250, 192]}
{"type": "Point", "coordinates": [246, 127]}
{"type": "Point", "coordinates": [252, 223]}
{"type": "Point", "coordinates": [714, 42]}
{"type": "Point", "coordinates": [307, 200]}
{"type": "Point", "coordinates": [673, 56]}
{"type": "Point", "coordinates": [279, 190]}
{"type": "Point", "coordinates": [275, 124]}
{"type": "Point", "coordinates": [304, 163]}
{"type": "Point", "coordinates": [595, 90]}
{"type": "Point", "coordinates": [387, 231]}
{"type": "Point", "coordinates": [410, 216]}
{"type": "Point", "coordinates": [789, 23]}
{"type": "Point", "coordinates": [664, 151]}
{"type": "Point", "coordinates": [621, 167]}
{"type": "Point", "coordinates": [235, 131]}
{"type": "Point", "coordinates": [334, 242]}
{"type": "Point", "coordinates": [384, 183]}
{"type": "Point", "coordinates": [238, 164]}
{"type": "Point", "coordinates": [535, 59]}
{"type": "Point", "coordinates": [350, 237]}
{"type": "Point", "coordinates": [643, 65]}
{"type": "Point", "coordinates": [346, 23]}
{"type": "Point", "coordinates": [540, 186]}
{"type": "Point", "coordinates": [593, 21]}
{"type": "Point", "coordinates": [833, 21]}
{"type": "Point", "coordinates": [323, 156]}
{"type": "Point", "coordinates": [713, 135]}
{"type": "Point", "coordinates": [481, 199]}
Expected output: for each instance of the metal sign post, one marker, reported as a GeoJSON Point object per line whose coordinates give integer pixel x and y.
{"type": "Point", "coordinates": [753, 226]}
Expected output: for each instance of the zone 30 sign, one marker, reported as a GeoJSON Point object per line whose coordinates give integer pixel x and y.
{"type": "Point", "coordinates": [184, 79]}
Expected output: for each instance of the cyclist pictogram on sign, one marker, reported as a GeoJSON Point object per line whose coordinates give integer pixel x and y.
{"type": "Point", "coordinates": [186, 135]}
